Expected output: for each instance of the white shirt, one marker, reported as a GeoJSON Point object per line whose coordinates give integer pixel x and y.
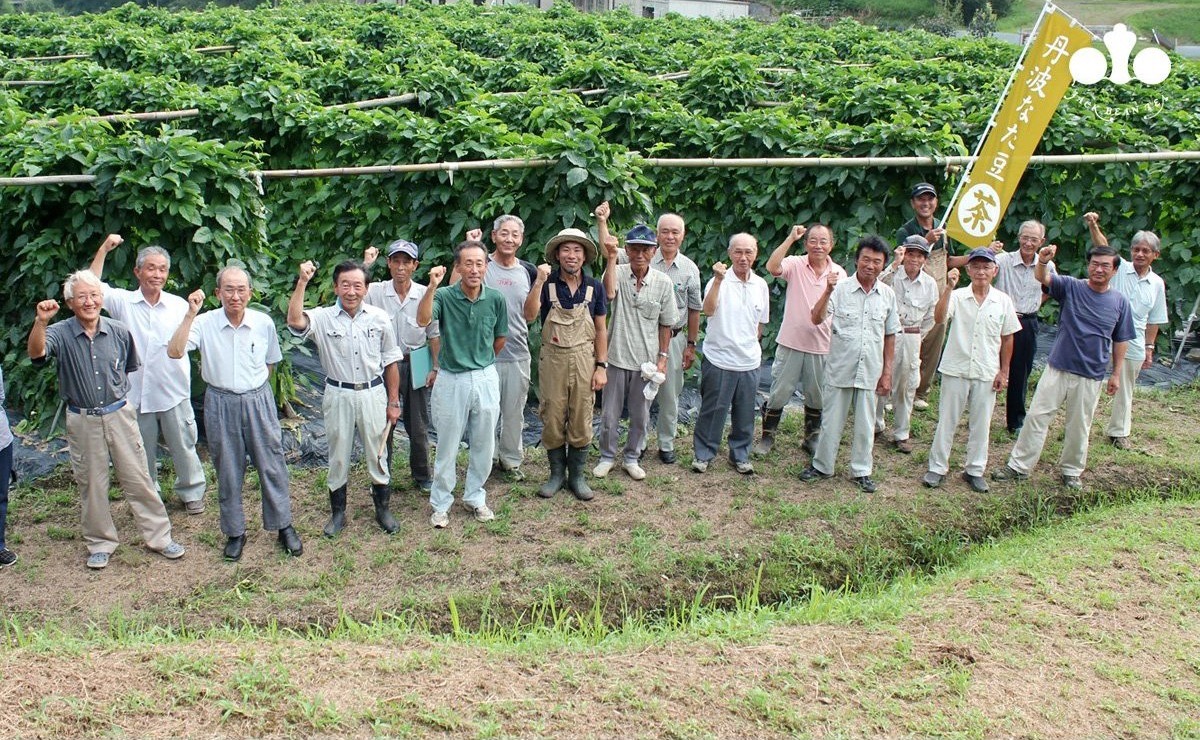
{"type": "Point", "coordinates": [973, 339]}
{"type": "Point", "coordinates": [235, 358]}
{"type": "Point", "coordinates": [353, 349]}
{"type": "Point", "coordinates": [1147, 299]}
{"type": "Point", "coordinates": [731, 334]}
{"type": "Point", "coordinates": [409, 334]}
{"type": "Point", "coordinates": [168, 382]}
{"type": "Point", "coordinates": [915, 299]}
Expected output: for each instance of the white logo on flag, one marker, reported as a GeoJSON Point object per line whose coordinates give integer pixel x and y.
{"type": "Point", "coordinates": [1151, 65]}
{"type": "Point", "coordinates": [978, 211]}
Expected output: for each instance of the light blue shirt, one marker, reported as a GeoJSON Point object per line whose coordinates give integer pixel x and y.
{"type": "Point", "coordinates": [1148, 301]}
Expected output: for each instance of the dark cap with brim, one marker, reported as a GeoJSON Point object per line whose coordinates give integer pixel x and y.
{"type": "Point", "coordinates": [981, 253]}
{"type": "Point", "coordinates": [923, 188]}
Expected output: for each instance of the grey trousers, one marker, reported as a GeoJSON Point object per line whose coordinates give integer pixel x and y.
{"type": "Point", "coordinates": [668, 393]}
{"type": "Point", "coordinates": [178, 427]}
{"type": "Point", "coordinates": [514, 391]}
{"type": "Point", "coordinates": [725, 393]}
{"type": "Point", "coordinates": [838, 404]}
{"type": "Point", "coordinates": [623, 384]}
{"type": "Point", "coordinates": [238, 424]}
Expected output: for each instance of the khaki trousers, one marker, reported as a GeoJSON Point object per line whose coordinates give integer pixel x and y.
{"type": "Point", "coordinates": [1056, 388]}
{"type": "Point", "coordinates": [793, 368]}
{"type": "Point", "coordinates": [565, 392]}
{"type": "Point", "coordinates": [977, 398]}
{"type": "Point", "coordinates": [906, 371]}
{"type": "Point", "coordinates": [931, 344]}
{"type": "Point", "coordinates": [94, 441]}
{"type": "Point", "coordinates": [346, 410]}
{"type": "Point", "coordinates": [1120, 424]}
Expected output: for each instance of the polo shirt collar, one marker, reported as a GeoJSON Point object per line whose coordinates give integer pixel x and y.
{"type": "Point", "coordinates": [101, 328]}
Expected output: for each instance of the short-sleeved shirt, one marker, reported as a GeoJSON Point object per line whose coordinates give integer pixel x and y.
{"type": "Point", "coordinates": [975, 333]}
{"type": "Point", "coordinates": [916, 299]}
{"type": "Point", "coordinates": [235, 358]}
{"type": "Point", "coordinates": [353, 349]}
{"type": "Point", "coordinates": [92, 371]}
{"type": "Point", "coordinates": [6, 437]}
{"type": "Point", "coordinates": [569, 300]}
{"type": "Point", "coordinates": [912, 228]}
{"type": "Point", "coordinates": [731, 334]}
{"type": "Point", "coordinates": [861, 319]}
{"type": "Point", "coordinates": [1148, 301]}
{"type": "Point", "coordinates": [409, 334]}
{"type": "Point", "coordinates": [469, 328]}
{"type": "Point", "coordinates": [805, 286]}
{"type": "Point", "coordinates": [1016, 279]}
{"type": "Point", "coordinates": [161, 383]}
{"type": "Point", "coordinates": [1088, 324]}
{"type": "Point", "coordinates": [512, 283]}
{"type": "Point", "coordinates": [635, 316]}
{"type": "Point", "coordinates": [685, 276]}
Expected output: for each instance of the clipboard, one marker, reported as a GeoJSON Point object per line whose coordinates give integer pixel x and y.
{"type": "Point", "coordinates": [420, 362]}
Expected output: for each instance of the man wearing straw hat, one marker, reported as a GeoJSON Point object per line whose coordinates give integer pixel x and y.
{"type": "Point", "coordinates": [573, 360]}
{"type": "Point", "coordinates": [358, 351]}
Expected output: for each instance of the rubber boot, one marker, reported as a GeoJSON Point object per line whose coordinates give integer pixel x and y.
{"type": "Point", "coordinates": [576, 460]}
{"type": "Point", "coordinates": [337, 509]}
{"type": "Point", "coordinates": [558, 472]}
{"type": "Point", "coordinates": [381, 494]}
{"type": "Point", "coordinates": [812, 428]}
{"type": "Point", "coordinates": [770, 422]}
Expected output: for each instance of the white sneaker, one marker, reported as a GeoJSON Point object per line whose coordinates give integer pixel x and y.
{"type": "Point", "coordinates": [602, 468]}
{"type": "Point", "coordinates": [481, 513]}
{"type": "Point", "coordinates": [439, 520]}
{"type": "Point", "coordinates": [634, 470]}
{"type": "Point", "coordinates": [920, 404]}
{"type": "Point", "coordinates": [700, 465]}
{"type": "Point", "coordinates": [744, 467]}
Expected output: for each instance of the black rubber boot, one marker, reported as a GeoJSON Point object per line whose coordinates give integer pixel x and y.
{"type": "Point", "coordinates": [381, 494]}
{"type": "Point", "coordinates": [558, 472]}
{"type": "Point", "coordinates": [812, 428]}
{"type": "Point", "coordinates": [337, 509]}
{"type": "Point", "coordinates": [576, 481]}
{"type": "Point", "coordinates": [770, 422]}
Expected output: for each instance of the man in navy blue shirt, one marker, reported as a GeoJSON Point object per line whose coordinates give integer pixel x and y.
{"type": "Point", "coordinates": [1094, 328]}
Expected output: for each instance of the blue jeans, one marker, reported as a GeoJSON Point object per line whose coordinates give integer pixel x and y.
{"type": "Point", "coordinates": [6, 460]}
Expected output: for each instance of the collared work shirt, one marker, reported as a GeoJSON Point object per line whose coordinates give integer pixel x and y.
{"type": "Point", "coordinates": [403, 311]}
{"type": "Point", "coordinates": [731, 334]}
{"type": "Point", "coordinates": [353, 349]}
{"type": "Point", "coordinates": [161, 383]}
{"type": "Point", "coordinates": [1015, 279]}
{"type": "Point", "coordinates": [1148, 301]}
{"type": "Point", "coordinates": [805, 286]}
{"type": "Point", "coordinates": [976, 329]}
{"type": "Point", "coordinates": [635, 315]}
{"type": "Point", "coordinates": [92, 371]}
{"type": "Point", "coordinates": [235, 358]}
{"type": "Point", "coordinates": [685, 276]}
{"type": "Point", "coordinates": [915, 299]}
{"type": "Point", "coordinates": [861, 319]}
{"type": "Point", "coordinates": [469, 327]}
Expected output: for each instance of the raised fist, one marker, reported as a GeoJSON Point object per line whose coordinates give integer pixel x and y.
{"type": "Point", "coordinates": [900, 254]}
{"type": "Point", "coordinates": [1091, 217]}
{"type": "Point", "coordinates": [307, 270]}
{"type": "Point", "coordinates": [46, 309]}
{"type": "Point", "coordinates": [1046, 253]}
{"type": "Point", "coordinates": [996, 246]}
{"type": "Point", "coordinates": [370, 254]}
{"type": "Point", "coordinates": [112, 241]}
{"type": "Point", "coordinates": [195, 302]}
{"type": "Point", "coordinates": [610, 247]}
{"type": "Point", "coordinates": [832, 280]}
{"type": "Point", "coordinates": [436, 274]}
{"type": "Point", "coordinates": [952, 277]}
{"type": "Point", "coordinates": [933, 235]}
{"type": "Point", "coordinates": [719, 270]}
{"type": "Point", "coordinates": [798, 232]}
{"type": "Point", "coordinates": [475, 235]}
{"type": "Point", "coordinates": [602, 212]}
{"type": "Point", "coordinates": [543, 272]}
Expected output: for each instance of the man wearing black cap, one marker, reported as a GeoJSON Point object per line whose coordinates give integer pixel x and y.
{"type": "Point", "coordinates": [916, 298]}
{"type": "Point", "coordinates": [924, 200]}
{"type": "Point", "coordinates": [572, 361]}
{"type": "Point", "coordinates": [399, 297]}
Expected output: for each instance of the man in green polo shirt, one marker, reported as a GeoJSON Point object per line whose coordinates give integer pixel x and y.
{"type": "Point", "coordinates": [466, 399]}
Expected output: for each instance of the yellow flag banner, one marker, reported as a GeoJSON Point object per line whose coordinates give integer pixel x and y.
{"type": "Point", "coordinates": [1041, 80]}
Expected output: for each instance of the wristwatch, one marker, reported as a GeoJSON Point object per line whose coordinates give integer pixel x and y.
{"type": "Point", "coordinates": [600, 363]}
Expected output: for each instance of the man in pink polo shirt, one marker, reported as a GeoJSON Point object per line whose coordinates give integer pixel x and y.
{"type": "Point", "coordinates": [802, 345]}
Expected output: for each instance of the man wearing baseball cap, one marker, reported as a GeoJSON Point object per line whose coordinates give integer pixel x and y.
{"type": "Point", "coordinates": [979, 347]}
{"type": "Point", "coordinates": [572, 361]}
{"type": "Point", "coordinates": [399, 297]}
{"type": "Point", "coordinates": [924, 200]}
{"type": "Point", "coordinates": [916, 297]}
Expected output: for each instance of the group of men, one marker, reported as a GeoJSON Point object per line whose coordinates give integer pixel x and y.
{"type": "Point", "coordinates": [456, 358]}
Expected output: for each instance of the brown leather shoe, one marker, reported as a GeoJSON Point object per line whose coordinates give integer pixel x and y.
{"type": "Point", "coordinates": [903, 445]}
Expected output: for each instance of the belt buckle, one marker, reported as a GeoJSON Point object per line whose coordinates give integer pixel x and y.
{"type": "Point", "coordinates": [98, 411]}
{"type": "Point", "coordinates": [360, 386]}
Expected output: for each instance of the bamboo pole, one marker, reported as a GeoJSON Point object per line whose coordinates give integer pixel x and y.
{"type": "Point", "coordinates": [162, 115]}
{"type": "Point", "coordinates": [65, 57]}
{"type": "Point", "coordinates": [375, 102]}
{"type": "Point", "coordinates": [26, 83]}
{"type": "Point", "coordinates": [663, 163]}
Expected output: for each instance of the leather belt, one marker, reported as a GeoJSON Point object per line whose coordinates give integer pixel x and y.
{"type": "Point", "coordinates": [911, 330]}
{"type": "Point", "coordinates": [99, 410]}
{"type": "Point", "coordinates": [354, 386]}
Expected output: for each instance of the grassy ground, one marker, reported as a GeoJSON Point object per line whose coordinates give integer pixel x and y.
{"type": "Point", "coordinates": [558, 606]}
{"type": "Point", "coordinates": [1175, 19]}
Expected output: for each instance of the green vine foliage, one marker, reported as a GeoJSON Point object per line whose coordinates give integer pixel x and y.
{"type": "Point", "coordinates": [506, 82]}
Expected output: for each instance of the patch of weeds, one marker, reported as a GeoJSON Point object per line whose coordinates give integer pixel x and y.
{"type": "Point", "coordinates": [698, 532]}
{"type": "Point", "coordinates": [174, 665]}
{"type": "Point", "coordinates": [317, 713]}
{"type": "Point", "coordinates": [576, 554]}
{"type": "Point", "coordinates": [775, 711]}
{"type": "Point", "coordinates": [59, 533]}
